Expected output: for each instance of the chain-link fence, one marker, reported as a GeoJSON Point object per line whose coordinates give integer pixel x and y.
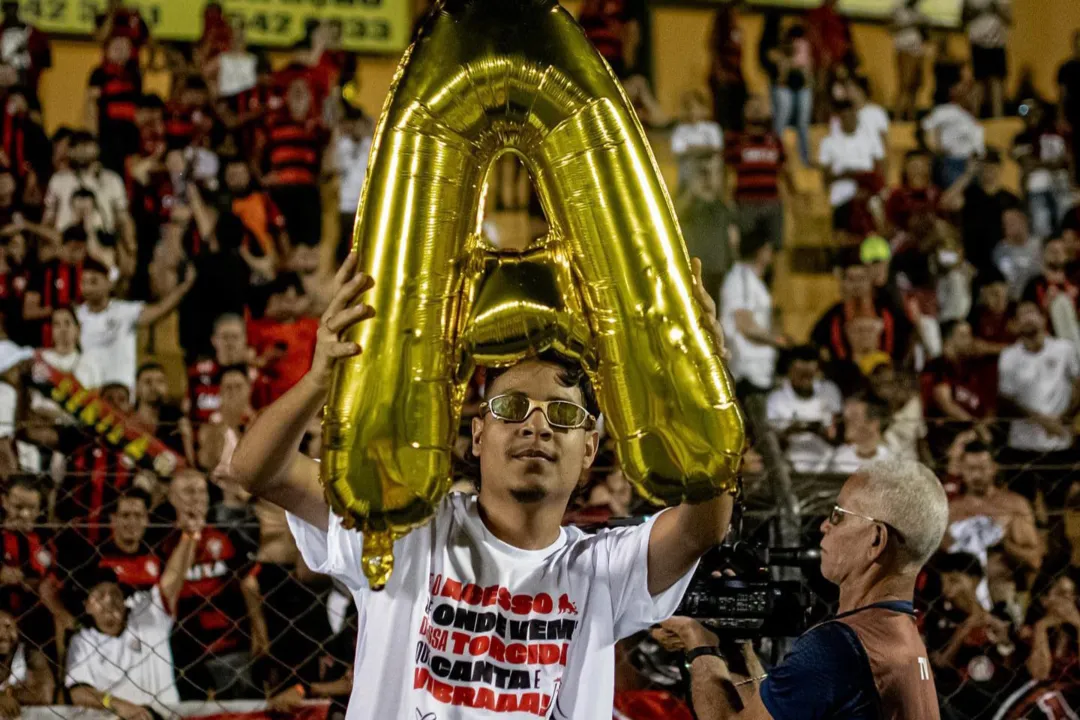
{"type": "Point", "coordinates": [148, 595]}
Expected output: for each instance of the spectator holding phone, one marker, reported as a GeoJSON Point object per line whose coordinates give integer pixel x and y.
{"type": "Point", "coordinates": [963, 635]}
{"type": "Point", "coordinates": [803, 410]}
{"type": "Point", "coordinates": [122, 662]}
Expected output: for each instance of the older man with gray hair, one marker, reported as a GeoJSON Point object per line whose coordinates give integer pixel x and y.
{"type": "Point", "coordinates": [868, 661]}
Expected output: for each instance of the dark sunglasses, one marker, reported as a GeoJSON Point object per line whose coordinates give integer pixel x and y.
{"type": "Point", "coordinates": [516, 408]}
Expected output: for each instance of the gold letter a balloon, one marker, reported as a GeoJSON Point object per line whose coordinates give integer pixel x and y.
{"type": "Point", "coordinates": [610, 285]}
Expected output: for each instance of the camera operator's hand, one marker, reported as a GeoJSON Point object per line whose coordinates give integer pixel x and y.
{"type": "Point", "coordinates": [683, 633]}
{"type": "Point", "coordinates": [9, 706]}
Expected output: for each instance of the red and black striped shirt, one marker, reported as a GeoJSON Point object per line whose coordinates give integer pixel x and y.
{"type": "Point", "coordinates": [25, 145]}
{"type": "Point", "coordinates": [829, 332]}
{"type": "Point", "coordinates": [139, 570]}
{"type": "Point", "coordinates": [758, 161]}
{"type": "Point", "coordinates": [293, 152]}
{"type": "Point", "coordinates": [13, 140]}
{"type": "Point", "coordinates": [248, 107]}
{"type": "Point", "coordinates": [204, 390]}
{"type": "Point", "coordinates": [13, 285]}
{"type": "Point", "coordinates": [60, 286]}
{"type": "Point", "coordinates": [179, 125]}
{"type": "Point", "coordinates": [96, 477]}
{"type": "Point", "coordinates": [186, 125]}
{"type": "Point", "coordinates": [155, 199]}
{"type": "Point", "coordinates": [120, 87]}
{"type": "Point", "coordinates": [211, 609]}
{"type": "Point", "coordinates": [34, 555]}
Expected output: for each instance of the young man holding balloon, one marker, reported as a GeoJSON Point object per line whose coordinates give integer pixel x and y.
{"type": "Point", "coordinates": [494, 610]}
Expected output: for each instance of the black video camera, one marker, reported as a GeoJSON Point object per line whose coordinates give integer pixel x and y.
{"type": "Point", "coordinates": [734, 591]}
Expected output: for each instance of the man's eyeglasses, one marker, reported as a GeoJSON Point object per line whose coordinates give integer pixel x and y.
{"type": "Point", "coordinates": [515, 408]}
{"type": "Point", "coordinates": [837, 516]}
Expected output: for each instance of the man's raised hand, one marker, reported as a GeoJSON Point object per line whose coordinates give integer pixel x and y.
{"type": "Point", "coordinates": [343, 312]}
{"type": "Point", "coordinates": [709, 320]}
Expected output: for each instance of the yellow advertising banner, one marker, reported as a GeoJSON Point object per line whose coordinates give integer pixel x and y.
{"type": "Point", "coordinates": [944, 13]}
{"type": "Point", "coordinates": [370, 26]}
{"type": "Point", "coordinates": [940, 12]}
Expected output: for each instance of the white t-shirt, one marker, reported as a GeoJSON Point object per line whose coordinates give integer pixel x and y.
{"type": "Point", "coordinates": [468, 624]}
{"type": "Point", "coordinates": [842, 153]}
{"type": "Point", "coordinates": [744, 290]}
{"type": "Point", "coordinates": [847, 460]}
{"type": "Point", "coordinates": [351, 159]}
{"type": "Point", "coordinates": [137, 666]}
{"type": "Point", "coordinates": [1039, 382]}
{"type": "Point", "coordinates": [986, 28]}
{"type": "Point", "coordinates": [1018, 263]}
{"type": "Point", "coordinates": [961, 134]}
{"type": "Point", "coordinates": [28, 456]}
{"type": "Point", "coordinates": [805, 451]}
{"type": "Point", "coordinates": [87, 369]}
{"type": "Point", "coordinates": [906, 427]}
{"type": "Point", "coordinates": [11, 355]}
{"type": "Point", "coordinates": [704, 135]}
{"type": "Point", "coordinates": [108, 190]}
{"type": "Point", "coordinates": [111, 333]}
{"type": "Point", "coordinates": [15, 47]}
{"type": "Point", "coordinates": [873, 119]}
{"type": "Point", "coordinates": [9, 404]}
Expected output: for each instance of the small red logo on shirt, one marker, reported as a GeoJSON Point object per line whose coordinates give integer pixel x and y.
{"type": "Point", "coordinates": [565, 606]}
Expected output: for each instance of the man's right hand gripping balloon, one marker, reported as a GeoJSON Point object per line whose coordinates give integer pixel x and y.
{"type": "Point", "coordinates": [344, 310]}
{"type": "Point", "coordinates": [267, 461]}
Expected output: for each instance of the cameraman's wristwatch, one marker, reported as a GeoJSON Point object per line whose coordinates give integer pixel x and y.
{"type": "Point", "coordinates": [692, 655]}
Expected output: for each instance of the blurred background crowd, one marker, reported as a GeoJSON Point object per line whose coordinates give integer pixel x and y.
{"type": "Point", "coordinates": [895, 258]}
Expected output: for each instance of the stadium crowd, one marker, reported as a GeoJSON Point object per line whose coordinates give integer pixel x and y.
{"type": "Point", "coordinates": [195, 222]}
{"type": "Point", "coordinates": [954, 340]}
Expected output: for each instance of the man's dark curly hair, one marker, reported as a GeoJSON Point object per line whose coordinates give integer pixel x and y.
{"type": "Point", "coordinates": [571, 375]}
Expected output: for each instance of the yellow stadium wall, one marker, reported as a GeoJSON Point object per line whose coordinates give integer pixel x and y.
{"type": "Point", "coordinates": [1040, 39]}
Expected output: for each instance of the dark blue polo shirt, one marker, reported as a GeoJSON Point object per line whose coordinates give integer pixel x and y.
{"type": "Point", "coordinates": [826, 676]}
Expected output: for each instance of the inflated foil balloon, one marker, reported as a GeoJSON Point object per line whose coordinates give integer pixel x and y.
{"type": "Point", "coordinates": [610, 285]}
